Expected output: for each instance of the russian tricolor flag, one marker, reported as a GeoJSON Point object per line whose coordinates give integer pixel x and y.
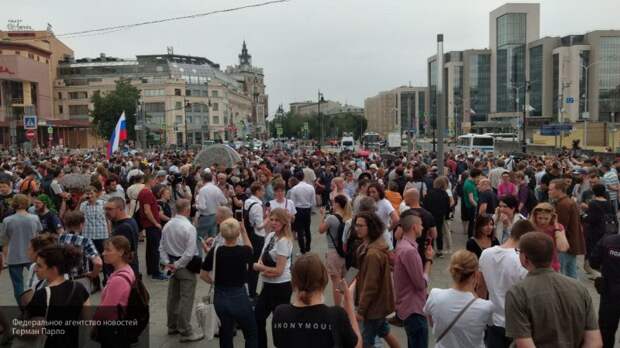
{"type": "Point", "coordinates": [120, 134]}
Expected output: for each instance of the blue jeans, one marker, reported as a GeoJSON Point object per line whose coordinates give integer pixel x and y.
{"type": "Point", "coordinates": [568, 265]}
{"type": "Point", "coordinates": [232, 305]}
{"type": "Point", "coordinates": [16, 272]}
{"type": "Point", "coordinates": [373, 328]}
{"type": "Point", "coordinates": [416, 328]}
{"type": "Point", "coordinates": [206, 226]}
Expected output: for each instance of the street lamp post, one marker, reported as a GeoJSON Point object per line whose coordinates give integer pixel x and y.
{"type": "Point", "coordinates": [526, 88]}
{"type": "Point", "coordinates": [321, 99]}
{"type": "Point", "coordinates": [586, 114]}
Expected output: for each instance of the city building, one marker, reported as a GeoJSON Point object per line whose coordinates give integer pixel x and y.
{"type": "Point", "coordinates": [29, 61]}
{"type": "Point", "coordinates": [185, 100]}
{"type": "Point", "coordinates": [511, 27]}
{"type": "Point", "coordinates": [401, 110]}
{"type": "Point", "coordinates": [476, 103]}
{"type": "Point", "coordinates": [311, 107]}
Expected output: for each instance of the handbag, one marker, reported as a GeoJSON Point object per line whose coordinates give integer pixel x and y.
{"type": "Point", "coordinates": [206, 316]}
{"type": "Point", "coordinates": [266, 257]}
{"type": "Point", "coordinates": [38, 341]}
{"type": "Point", "coordinates": [458, 316]}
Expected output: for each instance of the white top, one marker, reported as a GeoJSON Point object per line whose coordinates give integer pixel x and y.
{"type": "Point", "coordinates": [302, 195]}
{"type": "Point", "coordinates": [210, 197]}
{"type": "Point", "coordinates": [443, 305]}
{"type": "Point", "coordinates": [287, 205]}
{"type": "Point", "coordinates": [384, 212]}
{"type": "Point", "coordinates": [281, 247]}
{"type": "Point", "coordinates": [256, 215]}
{"type": "Point", "coordinates": [495, 176]}
{"type": "Point", "coordinates": [309, 176]}
{"type": "Point", "coordinates": [501, 269]}
{"type": "Point", "coordinates": [178, 238]}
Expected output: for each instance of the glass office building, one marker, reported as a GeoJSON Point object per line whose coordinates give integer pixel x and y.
{"type": "Point", "coordinates": [536, 80]}
{"type": "Point", "coordinates": [609, 79]}
{"type": "Point", "coordinates": [479, 87]}
{"type": "Point", "coordinates": [511, 46]}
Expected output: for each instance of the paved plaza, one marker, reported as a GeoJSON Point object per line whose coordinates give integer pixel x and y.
{"type": "Point", "coordinates": [440, 278]}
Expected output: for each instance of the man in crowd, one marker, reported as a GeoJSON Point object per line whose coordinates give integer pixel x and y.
{"type": "Point", "coordinates": [123, 225]}
{"type": "Point", "coordinates": [501, 269]}
{"type": "Point", "coordinates": [568, 216]}
{"type": "Point", "coordinates": [470, 199]}
{"type": "Point", "coordinates": [303, 196]}
{"type": "Point", "coordinates": [429, 229]}
{"type": "Point", "coordinates": [96, 227]}
{"type": "Point", "coordinates": [547, 309]}
{"type": "Point", "coordinates": [255, 220]}
{"type": "Point", "coordinates": [610, 180]}
{"type": "Point", "coordinates": [209, 198]}
{"type": "Point", "coordinates": [411, 277]}
{"type": "Point", "coordinates": [150, 221]}
{"type": "Point", "coordinates": [177, 250]}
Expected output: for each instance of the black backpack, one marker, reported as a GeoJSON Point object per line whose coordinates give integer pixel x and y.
{"type": "Point", "coordinates": [246, 219]}
{"type": "Point", "coordinates": [338, 243]}
{"type": "Point", "coordinates": [137, 310]}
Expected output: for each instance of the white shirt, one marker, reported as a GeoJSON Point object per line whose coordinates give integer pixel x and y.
{"type": "Point", "coordinates": [384, 212]}
{"type": "Point", "coordinates": [302, 195]}
{"type": "Point", "coordinates": [209, 198]}
{"type": "Point", "coordinates": [309, 176]}
{"type": "Point", "coordinates": [495, 176]}
{"type": "Point", "coordinates": [286, 205]}
{"type": "Point", "coordinates": [501, 269]}
{"type": "Point", "coordinates": [443, 305]}
{"type": "Point", "coordinates": [256, 215]}
{"type": "Point", "coordinates": [281, 247]}
{"type": "Point", "coordinates": [178, 238]}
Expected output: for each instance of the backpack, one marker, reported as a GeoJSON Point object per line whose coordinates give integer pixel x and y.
{"type": "Point", "coordinates": [339, 243]}
{"type": "Point", "coordinates": [246, 219]}
{"type": "Point", "coordinates": [137, 308]}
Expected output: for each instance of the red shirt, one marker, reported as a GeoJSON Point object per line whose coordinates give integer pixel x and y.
{"type": "Point", "coordinates": [146, 197]}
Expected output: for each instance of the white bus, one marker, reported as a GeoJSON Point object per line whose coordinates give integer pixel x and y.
{"type": "Point", "coordinates": [471, 142]}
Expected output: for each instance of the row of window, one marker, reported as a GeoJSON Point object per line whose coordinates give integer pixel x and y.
{"type": "Point", "coordinates": [32, 56]}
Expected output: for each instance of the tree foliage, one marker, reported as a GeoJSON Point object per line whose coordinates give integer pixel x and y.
{"type": "Point", "coordinates": [334, 125]}
{"type": "Point", "coordinates": [109, 107]}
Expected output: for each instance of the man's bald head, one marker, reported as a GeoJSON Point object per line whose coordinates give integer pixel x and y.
{"type": "Point", "coordinates": [411, 196]}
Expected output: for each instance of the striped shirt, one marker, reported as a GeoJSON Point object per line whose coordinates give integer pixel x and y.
{"type": "Point", "coordinates": [609, 179]}
{"type": "Point", "coordinates": [96, 226]}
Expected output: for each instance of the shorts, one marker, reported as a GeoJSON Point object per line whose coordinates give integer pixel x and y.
{"type": "Point", "coordinates": [372, 328]}
{"type": "Point", "coordinates": [335, 264]}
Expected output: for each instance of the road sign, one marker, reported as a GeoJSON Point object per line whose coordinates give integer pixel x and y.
{"type": "Point", "coordinates": [50, 130]}
{"type": "Point", "coordinates": [30, 122]}
{"type": "Point", "coordinates": [30, 134]}
{"type": "Point", "coordinates": [570, 100]}
{"type": "Point", "coordinates": [585, 115]}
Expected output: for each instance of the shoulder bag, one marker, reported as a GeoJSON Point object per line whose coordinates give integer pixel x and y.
{"type": "Point", "coordinates": [206, 316]}
{"type": "Point", "coordinates": [458, 316]}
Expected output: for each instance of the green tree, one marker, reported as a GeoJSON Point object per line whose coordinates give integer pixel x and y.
{"type": "Point", "coordinates": [109, 108]}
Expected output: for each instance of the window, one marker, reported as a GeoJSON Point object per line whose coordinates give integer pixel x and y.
{"type": "Point", "coordinates": [78, 110]}
{"type": "Point", "coordinates": [30, 55]}
{"type": "Point", "coordinates": [18, 53]}
{"type": "Point", "coordinates": [190, 119]}
{"type": "Point", "coordinates": [188, 93]}
{"type": "Point", "coordinates": [59, 95]}
{"type": "Point", "coordinates": [154, 107]}
{"type": "Point", "coordinates": [153, 93]}
{"type": "Point", "coordinates": [178, 120]}
{"type": "Point", "coordinates": [205, 93]}
{"type": "Point", "coordinates": [78, 95]}
{"type": "Point", "coordinates": [214, 94]}
{"type": "Point", "coordinates": [60, 110]}
{"type": "Point", "coordinates": [216, 107]}
{"type": "Point", "coordinates": [178, 105]}
{"type": "Point", "coordinates": [177, 92]}
{"type": "Point", "coordinates": [216, 119]}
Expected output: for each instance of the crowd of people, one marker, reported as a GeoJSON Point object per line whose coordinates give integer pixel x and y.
{"type": "Point", "coordinates": [245, 228]}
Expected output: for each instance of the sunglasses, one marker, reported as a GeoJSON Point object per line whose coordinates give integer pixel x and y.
{"type": "Point", "coordinates": [540, 210]}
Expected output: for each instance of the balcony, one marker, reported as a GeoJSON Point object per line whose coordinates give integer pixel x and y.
{"type": "Point", "coordinates": [17, 102]}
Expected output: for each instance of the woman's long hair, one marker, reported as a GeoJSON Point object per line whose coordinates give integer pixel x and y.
{"type": "Point", "coordinates": [283, 217]}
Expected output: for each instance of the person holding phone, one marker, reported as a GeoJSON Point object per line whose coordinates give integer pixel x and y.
{"type": "Point", "coordinates": [545, 220]}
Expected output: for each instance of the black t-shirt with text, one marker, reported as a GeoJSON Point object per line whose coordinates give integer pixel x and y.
{"type": "Point", "coordinates": [312, 326]}
{"type": "Point", "coordinates": [232, 265]}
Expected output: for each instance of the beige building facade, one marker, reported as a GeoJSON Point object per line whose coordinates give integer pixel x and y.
{"type": "Point", "coordinates": [401, 110]}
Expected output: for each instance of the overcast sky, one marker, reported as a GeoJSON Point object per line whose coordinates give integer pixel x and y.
{"type": "Point", "coordinates": [350, 49]}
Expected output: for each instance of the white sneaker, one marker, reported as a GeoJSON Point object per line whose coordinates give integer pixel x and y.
{"type": "Point", "coordinates": [192, 338]}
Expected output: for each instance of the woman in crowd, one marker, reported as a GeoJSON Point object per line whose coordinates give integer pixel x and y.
{"type": "Point", "coordinates": [231, 301]}
{"type": "Point", "coordinates": [393, 195]}
{"type": "Point", "coordinates": [117, 253]}
{"type": "Point", "coordinates": [309, 279]}
{"type": "Point", "coordinates": [545, 220]}
{"type": "Point", "coordinates": [280, 200]}
{"type": "Point", "coordinates": [331, 225]}
{"type": "Point", "coordinates": [385, 211]}
{"type": "Point", "coordinates": [163, 200]}
{"type": "Point", "coordinates": [374, 292]}
{"type": "Point", "coordinates": [274, 266]}
{"type": "Point", "coordinates": [484, 236]}
{"type": "Point", "coordinates": [505, 217]}
{"type": "Point", "coordinates": [62, 300]}
{"type": "Point", "coordinates": [33, 283]}
{"type": "Point", "coordinates": [437, 202]}
{"type": "Point", "coordinates": [417, 181]}
{"type": "Point", "coordinates": [265, 179]}
{"type": "Point", "coordinates": [443, 305]}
